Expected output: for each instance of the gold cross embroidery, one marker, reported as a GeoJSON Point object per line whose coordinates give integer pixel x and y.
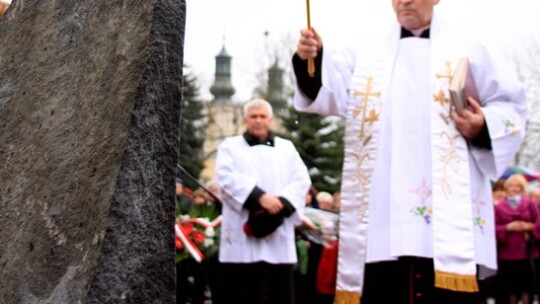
{"type": "Point", "coordinates": [448, 70]}
{"type": "Point", "coordinates": [372, 117]}
{"type": "Point", "coordinates": [363, 107]}
{"type": "Point", "coordinates": [441, 98]}
{"type": "Point", "coordinates": [361, 175]}
{"type": "Point", "coordinates": [445, 118]}
{"type": "Point", "coordinates": [363, 179]}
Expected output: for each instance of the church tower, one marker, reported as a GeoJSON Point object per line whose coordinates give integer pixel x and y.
{"type": "Point", "coordinates": [224, 116]}
{"type": "Point", "coordinates": [222, 89]}
{"type": "Point", "coordinates": [276, 94]}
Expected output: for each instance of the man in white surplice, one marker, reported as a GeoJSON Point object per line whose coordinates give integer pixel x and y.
{"type": "Point", "coordinates": [263, 183]}
{"type": "Point", "coordinates": [416, 213]}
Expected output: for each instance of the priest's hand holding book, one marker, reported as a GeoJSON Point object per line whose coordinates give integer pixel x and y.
{"type": "Point", "coordinates": [470, 121]}
{"type": "Point", "coordinates": [465, 105]}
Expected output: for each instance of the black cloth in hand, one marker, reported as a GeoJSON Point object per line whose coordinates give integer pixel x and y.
{"type": "Point", "coordinates": [261, 223]}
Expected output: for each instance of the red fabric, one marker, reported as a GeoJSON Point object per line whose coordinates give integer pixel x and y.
{"type": "Point", "coordinates": [188, 192]}
{"type": "Point", "coordinates": [327, 270]}
{"type": "Point", "coordinates": [178, 243]}
{"type": "Point", "coordinates": [247, 230]}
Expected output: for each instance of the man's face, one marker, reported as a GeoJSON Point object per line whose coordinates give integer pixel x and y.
{"type": "Point", "coordinates": [199, 199]}
{"type": "Point", "coordinates": [325, 205]}
{"type": "Point", "coordinates": [258, 122]}
{"type": "Point", "coordinates": [514, 188]}
{"type": "Point", "coordinates": [414, 14]}
{"type": "Point", "coordinates": [179, 189]}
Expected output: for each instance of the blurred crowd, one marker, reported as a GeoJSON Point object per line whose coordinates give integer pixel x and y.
{"type": "Point", "coordinates": [315, 274]}
{"type": "Point", "coordinates": [516, 202]}
{"type": "Point", "coordinates": [518, 241]}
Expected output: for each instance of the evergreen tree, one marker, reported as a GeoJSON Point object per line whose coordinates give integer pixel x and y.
{"type": "Point", "coordinates": [191, 130]}
{"type": "Point", "coordinates": [319, 140]}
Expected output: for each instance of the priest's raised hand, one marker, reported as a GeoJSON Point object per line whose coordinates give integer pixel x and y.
{"type": "Point", "coordinates": [308, 44]}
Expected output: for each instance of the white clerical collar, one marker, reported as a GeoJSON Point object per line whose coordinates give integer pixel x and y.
{"type": "Point", "coordinates": [419, 31]}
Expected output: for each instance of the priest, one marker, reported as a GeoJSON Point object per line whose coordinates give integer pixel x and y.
{"type": "Point", "coordinates": [263, 183]}
{"type": "Point", "coordinates": [416, 220]}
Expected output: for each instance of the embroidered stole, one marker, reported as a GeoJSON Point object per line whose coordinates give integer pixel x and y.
{"type": "Point", "coordinates": [448, 217]}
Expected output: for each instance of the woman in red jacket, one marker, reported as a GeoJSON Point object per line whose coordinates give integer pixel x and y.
{"type": "Point", "coordinates": [517, 226]}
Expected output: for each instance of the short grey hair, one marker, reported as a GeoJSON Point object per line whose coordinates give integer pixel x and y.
{"type": "Point", "coordinates": [325, 196]}
{"type": "Point", "coordinates": [258, 103]}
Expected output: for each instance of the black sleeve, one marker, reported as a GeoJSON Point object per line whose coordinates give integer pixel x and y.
{"type": "Point", "coordinates": [288, 208]}
{"type": "Point", "coordinates": [482, 140]}
{"type": "Point", "coordinates": [260, 223]}
{"type": "Point", "coordinates": [252, 201]}
{"type": "Point", "coordinates": [310, 86]}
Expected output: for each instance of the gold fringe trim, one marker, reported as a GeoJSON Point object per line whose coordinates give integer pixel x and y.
{"type": "Point", "coordinates": [456, 282]}
{"type": "Point", "coordinates": [347, 297]}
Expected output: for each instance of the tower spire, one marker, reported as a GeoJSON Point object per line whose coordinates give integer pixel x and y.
{"type": "Point", "coordinates": [276, 94]}
{"type": "Point", "coordinates": [222, 88]}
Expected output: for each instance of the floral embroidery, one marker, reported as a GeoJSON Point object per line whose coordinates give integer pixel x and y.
{"type": "Point", "coordinates": [424, 212]}
{"type": "Point", "coordinates": [449, 158]}
{"type": "Point", "coordinates": [480, 222]}
{"type": "Point", "coordinates": [229, 234]}
{"type": "Point", "coordinates": [509, 127]}
{"type": "Point", "coordinates": [423, 192]}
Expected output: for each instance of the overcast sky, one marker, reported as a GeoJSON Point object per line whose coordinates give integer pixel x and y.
{"type": "Point", "coordinates": [506, 25]}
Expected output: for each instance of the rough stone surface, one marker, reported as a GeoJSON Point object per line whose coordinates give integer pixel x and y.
{"type": "Point", "coordinates": [89, 105]}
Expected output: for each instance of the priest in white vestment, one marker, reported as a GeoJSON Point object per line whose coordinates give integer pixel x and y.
{"type": "Point", "coordinates": [263, 183]}
{"type": "Point", "coordinates": [417, 222]}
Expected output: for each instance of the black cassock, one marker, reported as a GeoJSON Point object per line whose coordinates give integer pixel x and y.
{"type": "Point", "coordinates": [256, 283]}
{"type": "Point", "coordinates": [410, 280]}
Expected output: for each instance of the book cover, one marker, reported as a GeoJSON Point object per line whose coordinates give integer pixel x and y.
{"type": "Point", "coordinates": [462, 86]}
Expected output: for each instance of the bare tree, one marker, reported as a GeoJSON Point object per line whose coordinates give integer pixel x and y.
{"type": "Point", "coordinates": [527, 64]}
{"type": "Point", "coordinates": [278, 49]}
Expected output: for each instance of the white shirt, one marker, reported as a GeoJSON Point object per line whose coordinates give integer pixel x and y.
{"type": "Point", "coordinates": [277, 170]}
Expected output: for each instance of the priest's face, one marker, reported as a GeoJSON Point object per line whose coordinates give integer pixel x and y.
{"type": "Point", "coordinates": [414, 14]}
{"type": "Point", "coordinates": [258, 121]}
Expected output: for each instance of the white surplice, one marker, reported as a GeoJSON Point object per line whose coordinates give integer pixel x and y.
{"type": "Point", "coordinates": [277, 170]}
{"type": "Point", "coordinates": [402, 152]}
